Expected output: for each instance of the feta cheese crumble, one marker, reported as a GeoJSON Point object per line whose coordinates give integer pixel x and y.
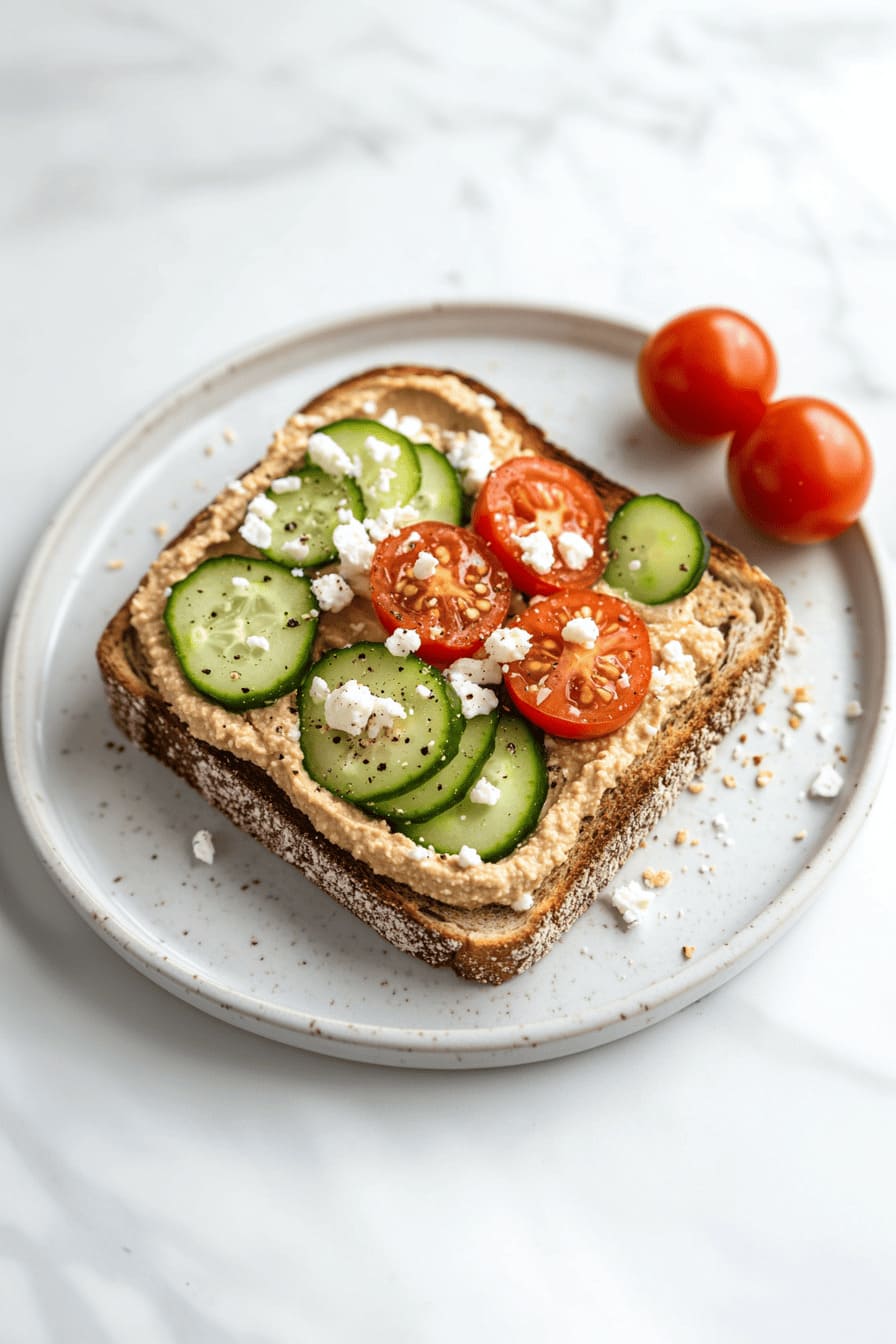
{"type": "Point", "coordinates": [424, 692]}
{"type": "Point", "coordinates": [536, 550]}
{"type": "Point", "coordinates": [318, 690]}
{"type": "Point", "coordinates": [659, 680]}
{"type": "Point", "coordinates": [389, 522]}
{"type": "Point", "coordinates": [673, 653]}
{"type": "Point", "coordinates": [481, 671]}
{"type": "Point", "coordinates": [355, 552]}
{"type": "Point", "coordinates": [353, 708]}
{"type": "Point", "coordinates": [203, 847]}
{"type": "Point", "coordinates": [286, 485]}
{"type": "Point", "coordinates": [575, 550]}
{"type": "Point", "coordinates": [631, 901]}
{"type": "Point", "coordinates": [258, 642]}
{"type": "Point", "coordinates": [471, 457]}
{"type": "Point", "coordinates": [380, 451]}
{"type": "Point", "coordinates": [468, 857]}
{"type": "Point", "coordinates": [409, 425]}
{"type": "Point", "coordinates": [409, 543]}
{"type": "Point", "coordinates": [827, 783]}
{"type": "Point", "coordinates": [402, 641]}
{"type": "Point", "coordinates": [327, 454]}
{"type": "Point", "coordinates": [523, 902]}
{"type": "Point", "coordinates": [581, 630]}
{"type": "Point", "coordinates": [484, 792]}
{"type": "Point", "coordinates": [256, 532]}
{"type": "Point", "coordinates": [331, 592]}
{"type": "Point", "coordinates": [264, 507]}
{"type": "Point", "coordinates": [295, 549]}
{"type": "Point", "coordinates": [508, 645]}
{"type": "Point", "coordinates": [419, 852]}
{"type": "Point", "coordinates": [240, 581]}
{"type": "Point", "coordinates": [425, 565]}
{"type": "Point", "coordinates": [474, 699]}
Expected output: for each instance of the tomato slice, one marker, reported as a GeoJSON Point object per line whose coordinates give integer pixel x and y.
{"type": "Point", "coordinates": [536, 494]}
{"type": "Point", "coordinates": [443, 582]}
{"type": "Point", "coordinates": [571, 690]}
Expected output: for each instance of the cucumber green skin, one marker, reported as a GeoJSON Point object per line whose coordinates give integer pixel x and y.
{"type": "Point", "coordinates": [350, 435]}
{"type": "Point", "coordinates": [427, 799]}
{"type": "Point", "coordinates": [321, 548]}
{"type": "Point", "coordinates": [458, 825]}
{"type": "Point", "coordinates": [617, 573]}
{"type": "Point", "coordinates": [300, 605]}
{"type": "Point", "coordinates": [384, 674]}
{"type": "Point", "coordinates": [440, 498]}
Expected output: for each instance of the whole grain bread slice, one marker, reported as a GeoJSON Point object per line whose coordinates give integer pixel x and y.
{"type": "Point", "coordinates": [492, 943]}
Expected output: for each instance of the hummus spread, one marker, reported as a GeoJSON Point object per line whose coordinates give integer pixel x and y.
{"type": "Point", "coordinates": [579, 772]}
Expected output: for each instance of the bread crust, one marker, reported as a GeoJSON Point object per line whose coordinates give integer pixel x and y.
{"type": "Point", "coordinates": [492, 944]}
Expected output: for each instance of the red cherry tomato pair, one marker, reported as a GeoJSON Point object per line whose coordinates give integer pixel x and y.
{"type": "Point", "coordinates": [453, 587]}
{"type": "Point", "coordinates": [578, 688]}
{"type": "Point", "coordinates": [799, 469]}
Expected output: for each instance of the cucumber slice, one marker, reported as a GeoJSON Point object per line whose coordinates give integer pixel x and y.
{"type": "Point", "coordinates": [440, 497]}
{"type": "Point", "coordinates": [516, 767]}
{"type": "Point", "coordinates": [451, 782]}
{"type": "Point", "coordinates": [308, 515]}
{"type": "Point", "coordinates": [224, 603]}
{"type": "Point", "coordinates": [361, 770]}
{"type": "Point", "coordinates": [658, 550]}
{"type": "Point", "coordinates": [386, 481]}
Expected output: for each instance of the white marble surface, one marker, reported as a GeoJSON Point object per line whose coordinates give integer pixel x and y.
{"type": "Point", "coordinates": [178, 179]}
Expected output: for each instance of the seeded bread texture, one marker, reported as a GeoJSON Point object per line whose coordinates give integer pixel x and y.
{"type": "Point", "coordinates": [493, 943]}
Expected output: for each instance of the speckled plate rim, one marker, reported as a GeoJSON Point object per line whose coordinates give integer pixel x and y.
{"type": "Point", "coordinates": [451, 1047]}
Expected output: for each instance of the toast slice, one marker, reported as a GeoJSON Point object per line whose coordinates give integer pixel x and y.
{"type": "Point", "coordinates": [492, 943]}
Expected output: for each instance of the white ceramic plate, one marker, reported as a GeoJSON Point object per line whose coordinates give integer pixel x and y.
{"type": "Point", "coordinates": [251, 941]}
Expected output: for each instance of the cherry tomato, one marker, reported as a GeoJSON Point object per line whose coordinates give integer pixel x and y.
{"type": "Point", "coordinates": [537, 494]}
{"type": "Point", "coordinates": [443, 582]}
{"type": "Point", "coordinates": [804, 472]}
{"type": "Point", "coordinates": [706, 374]}
{"type": "Point", "coordinates": [570, 689]}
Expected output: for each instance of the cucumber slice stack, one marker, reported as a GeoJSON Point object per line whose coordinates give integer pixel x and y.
{"type": "Point", "coordinates": [516, 767]}
{"type": "Point", "coordinates": [420, 774]}
{"type": "Point", "coordinates": [392, 472]}
{"type": "Point", "coordinates": [448, 784]}
{"type": "Point", "coordinates": [242, 630]}
{"type": "Point", "coordinates": [386, 479]}
{"type": "Point", "coordinates": [362, 770]}
{"type": "Point", "coordinates": [658, 550]}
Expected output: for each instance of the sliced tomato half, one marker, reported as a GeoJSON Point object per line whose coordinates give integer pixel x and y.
{"type": "Point", "coordinates": [581, 690]}
{"type": "Point", "coordinates": [529, 495]}
{"type": "Point", "coordinates": [443, 582]}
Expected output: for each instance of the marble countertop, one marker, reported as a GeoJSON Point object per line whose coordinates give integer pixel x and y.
{"type": "Point", "coordinates": [179, 180]}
